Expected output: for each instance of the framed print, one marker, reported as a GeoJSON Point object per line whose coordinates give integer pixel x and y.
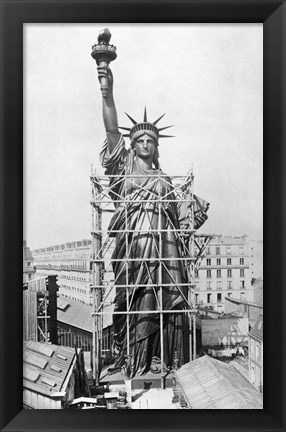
{"type": "Point", "coordinates": [214, 70]}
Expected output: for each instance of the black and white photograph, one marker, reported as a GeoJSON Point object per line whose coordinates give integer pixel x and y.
{"type": "Point", "coordinates": [143, 216]}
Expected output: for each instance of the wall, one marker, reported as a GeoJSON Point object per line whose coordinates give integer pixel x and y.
{"type": "Point", "coordinates": [256, 363]}
{"type": "Point", "coordinates": [37, 401]}
{"type": "Point", "coordinates": [227, 331]}
{"type": "Point", "coordinates": [258, 293]}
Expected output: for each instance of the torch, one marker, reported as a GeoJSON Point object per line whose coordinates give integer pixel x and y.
{"type": "Point", "coordinates": [103, 53]}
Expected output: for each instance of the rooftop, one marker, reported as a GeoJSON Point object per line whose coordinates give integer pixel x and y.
{"type": "Point", "coordinates": [229, 240]}
{"type": "Point", "coordinates": [211, 384]}
{"type": "Point", "coordinates": [45, 367]}
{"type": "Point", "coordinates": [79, 314]}
{"type": "Point", "coordinates": [69, 245]}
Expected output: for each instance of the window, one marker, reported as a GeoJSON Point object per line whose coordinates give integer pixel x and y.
{"type": "Point", "coordinates": [229, 284]}
{"type": "Point", "coordinates": [209, 273]}
{"type": "Point", "coordinates": [241, 250]}
{"type": "Point", "coordinates": [228, 251]}
{"type": "Point", "coordinates": [241, 261]}
{"type": "Point", "coordinates": [229, 294]}
{"type": "Point", "coordinates": [209, 296]}
{"type": "Point", "coordinates": [229, 273]}
{"type": "Point", "coordinates": [209, 285]}
{"type": "Point", "coordinates": [218, 285]}
{"type": "Point", "coordinates": [218, 261]}
{"type": "Point", "coordinates": [28, 264]}
{"type": "Point", "coordinates": [242, 284]}
{"type": "Point", "coordinates": [209, 261]}
{"type": "Point", "coordinates": [197, 298]}
{"type": "Point", "coordinates": [228, 261]}
{"type": "Point", "coordinates": [241, 272]}
{"type": "Point", "coordinates": [219, 298]}
{"type": "Point", "coordinates": [217, 250]}
{"type": "Point", "coordinates": [242, 295]}
{"type": "Point", "coordinates": [218, 273]}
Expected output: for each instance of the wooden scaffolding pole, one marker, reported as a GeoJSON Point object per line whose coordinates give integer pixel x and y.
{"type": "Point", "coordinates": [160, 280]}
{"type": "Point", "coordinates": [96, 280]}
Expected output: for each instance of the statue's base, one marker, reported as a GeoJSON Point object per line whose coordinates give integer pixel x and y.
{"type": "Point", "coordinates": [145, 382]}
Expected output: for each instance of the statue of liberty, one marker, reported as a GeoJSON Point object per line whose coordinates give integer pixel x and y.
{"type": "Point", "coordinates": [149, 263]}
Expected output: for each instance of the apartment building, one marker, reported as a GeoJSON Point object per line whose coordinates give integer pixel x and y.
{"type": "Point", "coordinates": [224, 272]}
{"type": "Point", "coordinates": [72, 263]}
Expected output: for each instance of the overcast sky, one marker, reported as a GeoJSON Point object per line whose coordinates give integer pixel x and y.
{"type": "Point", "coordinates": [207, 78]}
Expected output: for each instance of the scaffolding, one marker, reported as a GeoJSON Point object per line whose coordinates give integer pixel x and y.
{"type": "Point", "coordinates": [104, 201]}
{"type": "Point", "coordinates": [39, 309]}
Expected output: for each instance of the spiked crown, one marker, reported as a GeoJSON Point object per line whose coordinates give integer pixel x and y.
{"type": "Point", "coordinates": [145, 126]}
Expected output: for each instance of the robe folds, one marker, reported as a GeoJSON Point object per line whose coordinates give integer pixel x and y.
{"type": "Point", "coordinates": [147, 275]}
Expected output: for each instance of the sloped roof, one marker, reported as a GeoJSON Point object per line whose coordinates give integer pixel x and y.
{"type": "Point", "coordinates": [211, 384]}
{"type": "Point", "coordinates": [257, 329]}
{"type": "Point", "coordinates": [77, 314]}
{"type": "Point", "coordinates": [45, 367]}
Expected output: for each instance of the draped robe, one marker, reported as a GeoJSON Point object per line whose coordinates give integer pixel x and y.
{"type": "Point", "coordinates": [147, 232]}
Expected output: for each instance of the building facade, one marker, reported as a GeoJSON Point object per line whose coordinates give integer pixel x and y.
{"type": "Point", "coordinates": [72, 263]}
{"type": "Point", "coordinates": [29, 269]}
{"type": "Point", "coordinates": [256, 259]}
{"type": "Point", "coordinates": [256, 354]}
{"type": "Point", "coordinates": [224, 272]}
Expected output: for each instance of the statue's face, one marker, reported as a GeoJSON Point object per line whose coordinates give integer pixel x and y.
{"type": "Point", "coordinates": [145, 147]}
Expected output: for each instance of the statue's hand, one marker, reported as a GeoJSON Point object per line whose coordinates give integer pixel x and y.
{"type": "Point", "coordinates": [105, 71]}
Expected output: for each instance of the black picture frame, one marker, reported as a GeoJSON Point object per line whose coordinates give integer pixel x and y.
{"type": "Point", "coordinates": [13, 15]}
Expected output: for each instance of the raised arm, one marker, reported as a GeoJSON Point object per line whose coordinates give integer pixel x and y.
{"type": "Point", "coordinates": [109, 110]}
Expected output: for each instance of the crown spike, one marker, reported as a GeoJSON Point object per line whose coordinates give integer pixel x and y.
{"type": "Point", "coordinates": [155, 122]}
{"type": "Point", "coordinates": [166, 136]}
{"type": "Point", "coordinates": [130, 118]}
{"type": "Point", "coordinates": [166, 127]}
{"type": "Point", "coordinates": [145, 116]}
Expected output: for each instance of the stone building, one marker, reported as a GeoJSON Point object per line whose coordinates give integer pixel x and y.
{"type": "Point", "coordinates": [72, 263]}
{"type": "Point", "coordinates": [224, 272]}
